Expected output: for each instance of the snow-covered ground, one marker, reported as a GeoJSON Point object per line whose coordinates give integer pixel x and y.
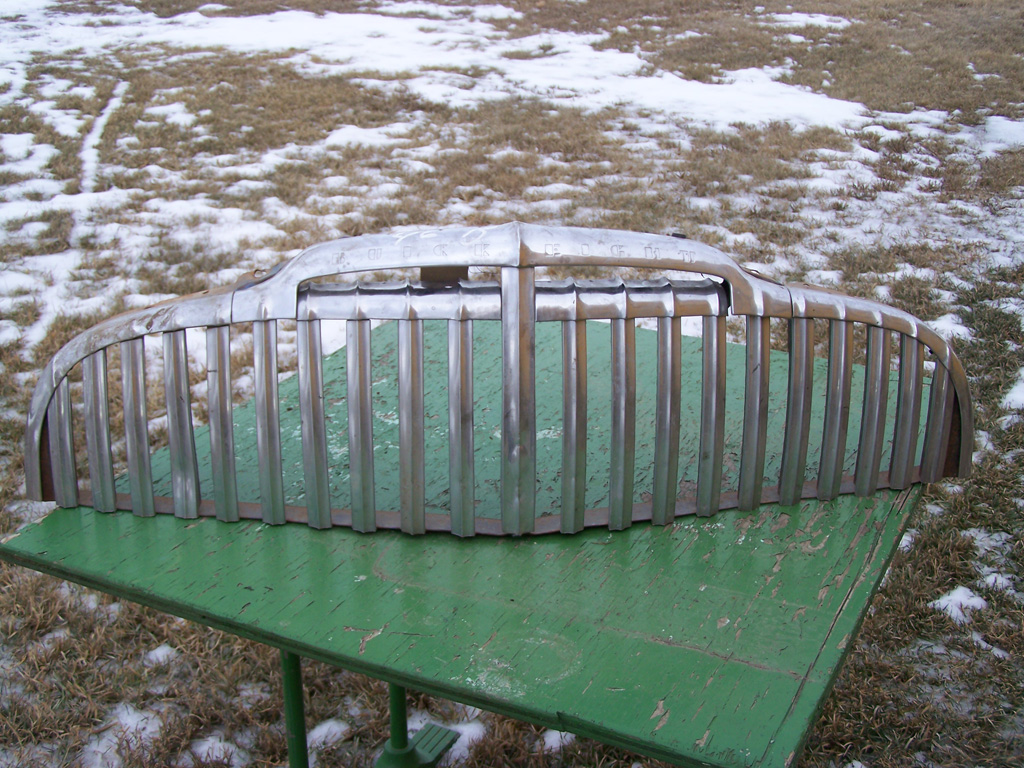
{"type": "Point", "coordinates": [388, 41]}
{"type": "Point", "coordinates": [464, 58]}
{"type": "Point", "coordinates": [427, 56]}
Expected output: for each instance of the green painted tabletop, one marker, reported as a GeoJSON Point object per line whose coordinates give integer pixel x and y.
{"type": "Point", "coordinates": [709, 641]}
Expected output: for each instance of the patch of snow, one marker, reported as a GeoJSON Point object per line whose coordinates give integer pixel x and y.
{"type": "Point", "coordinates": [1014, 399]}
{"type": "Point", "coordinates": [30, 754]}
{"type": "Point", "coordinates": [1000, 134]}
{"type": "Point", "coordinates": [34, 163]}
{"type": "Point", "coordinates": [110, 613]}
{"type": "Point", "coordinates": [125, 724]}
{"type": "Point", "coordinates": [414, 7]}
{"type": "Point", "coordinates": [554, 741]}
{"type": "Point", "coordinates": [353, 135]}
{"type": "Point", "coordinates": [10, 332]}
{"type": "Point", "coordinates": [999, 581]}
{"type": "Point", "coordinates": [555, 188]}
{"type": "Point", "coordinates": [997, 544]}
{"type": "Point", "coordinates": [213, 749]}
{"type": "Point", "coordinates": [826, 277]}
{"type": "Point", "coordinates": [950, 326]}
{"type": "Point", "coordinates": [89, 601]}
{"type": "Point", "coordinates": [253, 693]}
{"type": "Point", "coordinates": [492, 12]}
{"type": "Point", "coordinates": [983, 442]}
{"type": "Point", "coordinates": [176, 114]}
{"type": "Point", "coordinates": [38, 187]}
{"type": "Point", "coordinates": [31, 511]}
{"type": "Point", "coordinates": [52, 639]}
{"type": "Point", "coordinates": [745, 96]}
{"type": "Point", "coordinates": [907, 542]}
{"type": "Point", "coordinates": [980, 641]}
{"type": "Point", "coordinates": [327, 733]}
{"type": "Point", "coordinates": [993, 578]}
{"type": "Point", "coordinates": [800, 20]}
{"type": "Point", "coordinates": [63, 122]}
{"type": "Point", "coordinates": [469, 734]}
{"type": "Point", "coordinates": [1013, 306]}
{"type": "Point", "coordinates": [416, 166]}
{"type": "Point", "coordinates": [926, 646]}
{"type": "Point", "coordinates": [162, 654]}
{"type": "Point", "coordinates": [23, 155]}
{"type": "Point", "coordinates": [883, 133]}
{"type": "Point", "coordinates": [959, 604]}
{"type": "Point", "coordinates": [90, 146]}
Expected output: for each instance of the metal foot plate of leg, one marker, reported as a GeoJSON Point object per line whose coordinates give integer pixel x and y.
{"type": "Point", "coordinates": [426, 748]}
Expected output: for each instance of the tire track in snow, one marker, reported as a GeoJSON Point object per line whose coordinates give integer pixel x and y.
{"type": "Point", "coordinates": [90, 153]}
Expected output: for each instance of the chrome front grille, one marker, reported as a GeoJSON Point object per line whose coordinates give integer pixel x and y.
{"type": "Point", "coordinates": [730, 471]}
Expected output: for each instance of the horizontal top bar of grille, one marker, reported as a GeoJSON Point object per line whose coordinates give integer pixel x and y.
{"type": "Point", "coordinates": [563, 300]}
{"type": "Point", "coordinates": [508, 245]}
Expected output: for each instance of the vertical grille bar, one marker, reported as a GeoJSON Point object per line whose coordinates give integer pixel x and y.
{"type": "Point", "coordinates": [936, 433]}
{"type": "Point", "coordinates": [712, 417]}
{"type": "Point", "coordinates": [798, 410]}
{"type": "Point", "coordinates": [410, 425]}
{"type": "Point", "coordinates": [360, 426]}
{"type": "Point", "coordinates": [268, 421]}
{"type": "Point", "coordinates": [666, 439]}
{"type": "Point", "coordinates": [837, 409]}
{"type": "Point", "coordinates": [519, 421]}
{"type": "Point", "coordinates": [574, 424]}
{"type": "Point", "coordinates": [872, 422]}
{"type": "Point", "coordinates": [623, 433]}
{"type": "Point", "coordinates": [755, 413]}
{"type": "Point", "coordinates": [462, 482]}
{"type": "Point", "coordinates": [184, 466]}
{"type": "Point", "coordinates": [62, 446]}
{"type": "Point", "coordinates": [314, 423]}
{"type": "Point", "coordinates": [136, 427]}
{"type": "Point", "coordinates": [908, 412]}
{"type": "Point", "coordinates": [97, 431]}
{"type": "Point", "coordinates": [222, 429]}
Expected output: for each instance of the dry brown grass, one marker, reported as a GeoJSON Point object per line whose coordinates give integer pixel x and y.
{"type": "Point", "coordinates": [896, 56]}
{"type": "Point", "coordinates": [243, 104]}
{"type": "Point", "coordinates": [895, 699]}
{"type": "Point", "coordinates": [168, 8]}
{"type": "Point", "coordinates": [94, 659]}
{"type": "Point", "coordinates": [921, 54]}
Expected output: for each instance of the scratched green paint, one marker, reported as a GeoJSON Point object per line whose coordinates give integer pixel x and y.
{"type": "Point", "coordinates": [487, 430]}
{"type": "Point", "coordinates": [706, 641]}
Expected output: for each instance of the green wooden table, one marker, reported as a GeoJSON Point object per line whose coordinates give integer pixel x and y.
{"type": "Point", "coordinates": [711, 641]}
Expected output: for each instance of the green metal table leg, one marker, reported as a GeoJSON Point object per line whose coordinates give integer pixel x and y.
{"type": "Point", "coordinates": [426, 748]}
{"type": "Point", "coordinates": [399, 740]}
{"type": "Point", "coordinates": [294, 714]}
